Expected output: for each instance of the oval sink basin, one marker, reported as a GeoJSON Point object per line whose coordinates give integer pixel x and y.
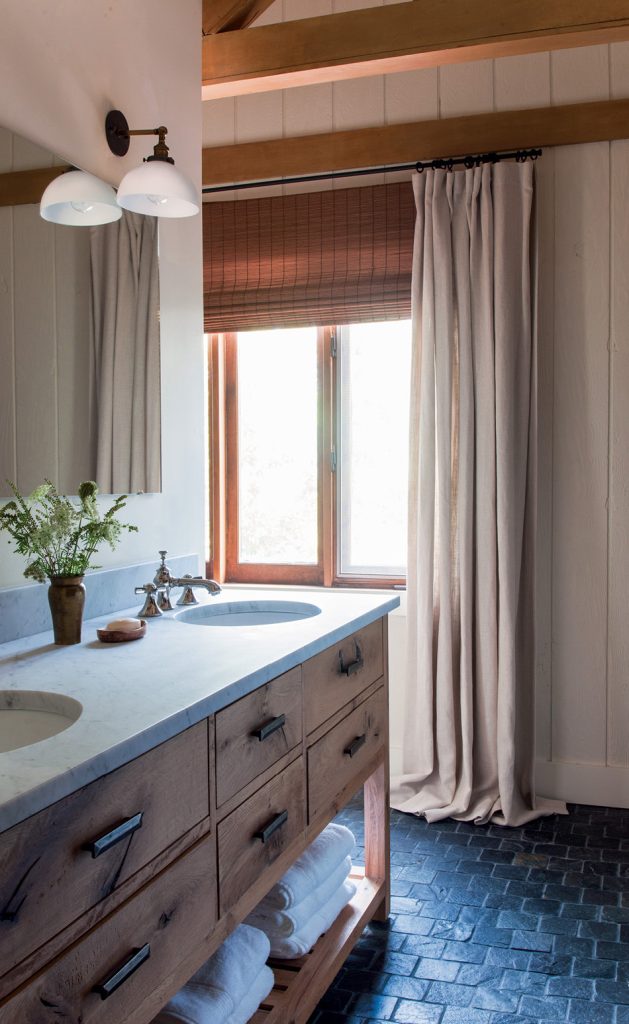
{"type": "Point", "coordinates": [247, 613]}
{"type": "Point", "coordinates": [28, 716]}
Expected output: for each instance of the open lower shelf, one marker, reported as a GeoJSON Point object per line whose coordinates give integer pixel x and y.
{"type": "Point", "coordinates": [299, 984]}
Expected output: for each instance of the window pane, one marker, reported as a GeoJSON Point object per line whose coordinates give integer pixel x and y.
{"type": "Point", "coordinates": [374, 407]}
{"type": "Point", "coordinates": [277, 446]}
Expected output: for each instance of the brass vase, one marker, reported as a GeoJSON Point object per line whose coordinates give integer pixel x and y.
{"type": "Point", "coordinates": [66, 597]}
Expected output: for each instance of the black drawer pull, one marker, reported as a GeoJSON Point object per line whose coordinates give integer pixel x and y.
{"type": "Point", "coordinates": [117, 834]}
{"type": "Point", "coordinates": [107, 987]}
{"type": "Point", "coordinates": [355, 745]}
{"type": "Point", "coordinates": [352, 666]}
{"type": "Point", "coordinates": [270, 727]}
{"type": "Point", "coordinates": [265, 833]}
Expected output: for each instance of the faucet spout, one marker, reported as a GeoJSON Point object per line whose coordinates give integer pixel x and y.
{"type": "Point", "coordinates": [211, 586]}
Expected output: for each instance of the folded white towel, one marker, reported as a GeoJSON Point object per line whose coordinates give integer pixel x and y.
{"type": "Point", "coordinates": [302, 941]}
{"type": "Point", "coordinates": [197, 1004]}
{"type": "Point", "coordinates": [257, 993]}
{"type": "Point", "coordinates": [279, 924]}
{"type": "Point", "coordinates": [239, 959]}
{"type": "Point", "coordinates": [321, 858]}
{"type": "Point", "coordinates": [219, 987]}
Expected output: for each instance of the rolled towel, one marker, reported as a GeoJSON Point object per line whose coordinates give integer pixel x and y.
{"type": "Point", "coordinates": [218, 988]}
{"type": "Point", "coordinates": [302, 941]}
{"type": "Point", "coordinates": [257, 993]}
{"type": "Point", "coordinates": [322, 857]}
{"type": "Point", "coordinates": [279, 924]}
{"type": "Point", "coordinates": [239, 959]}
{"type": "Point", "coordinates": [197, 1004]}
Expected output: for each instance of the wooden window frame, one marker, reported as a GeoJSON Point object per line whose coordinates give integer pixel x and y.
{"type": "Point", "coordinates": [223, 564]}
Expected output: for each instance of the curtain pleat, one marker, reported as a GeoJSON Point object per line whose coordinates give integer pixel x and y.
{"type": "Point", "coordinates": [125, 305]}
{"type": "Point", "coordinates": [343, 256]}
{"type": "Point", "coordinates": [469, 740]}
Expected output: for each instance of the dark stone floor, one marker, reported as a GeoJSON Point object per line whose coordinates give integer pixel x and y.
{"type": "Point", "coordinates": [495, 926]}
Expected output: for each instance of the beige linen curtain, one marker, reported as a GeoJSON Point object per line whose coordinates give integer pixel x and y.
{"type": "Point", "coordinates": [125, 304]}
{"type": "Point", "coordinates": [469, 742]}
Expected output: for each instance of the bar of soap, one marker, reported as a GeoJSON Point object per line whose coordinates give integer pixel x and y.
{"type": "Point", "coordinates": [124, 625]}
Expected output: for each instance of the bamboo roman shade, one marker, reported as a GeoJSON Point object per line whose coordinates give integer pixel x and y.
{"type": "Point", "coordinates": [315, 258]}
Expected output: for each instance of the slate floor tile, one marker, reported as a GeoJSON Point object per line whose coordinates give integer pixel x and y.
{"type": "Point", "coordinates": [556, 891]}
{"type": "Point", "coordinates": [417, 1013]}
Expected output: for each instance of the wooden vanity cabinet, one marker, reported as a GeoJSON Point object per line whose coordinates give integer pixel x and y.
{"type": "Point", "coordinates": [89, 851]}
{"type": "Point", "coordinates": [97, 927]}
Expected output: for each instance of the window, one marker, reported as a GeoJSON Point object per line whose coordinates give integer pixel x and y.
{"type": "Point", "coordinates": [309, 443]}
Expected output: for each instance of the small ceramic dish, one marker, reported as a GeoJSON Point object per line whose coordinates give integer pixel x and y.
{"type": "Point", "coordinates": [121, 636]}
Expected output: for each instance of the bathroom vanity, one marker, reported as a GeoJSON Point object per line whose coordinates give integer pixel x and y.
{"type": "Point", "coordinates": [205, 760]}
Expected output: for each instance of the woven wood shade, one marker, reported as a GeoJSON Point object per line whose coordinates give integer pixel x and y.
{"type": "Point", "coordinates": [315, 258]}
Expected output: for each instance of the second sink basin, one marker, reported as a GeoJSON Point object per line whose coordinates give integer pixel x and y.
{"type": "Point", "coordinates": [28, 716]}
{"type": "Point", "coordinates": [247, 613]}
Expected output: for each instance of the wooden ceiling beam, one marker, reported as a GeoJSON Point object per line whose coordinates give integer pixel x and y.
{"type": "Point", "coordinates": [419, 140]}
{"type": "Point", "coordinates": [17, 188]}
{"type": "Point", "coordinates": [231, 15]}
{"type": "Point", "coordinates": [399, 37]}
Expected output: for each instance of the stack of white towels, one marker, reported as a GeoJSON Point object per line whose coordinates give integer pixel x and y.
{"type": "Point", "coordinates": [230, 986]}
{"type": "Point", "coordinates": [310, 896]}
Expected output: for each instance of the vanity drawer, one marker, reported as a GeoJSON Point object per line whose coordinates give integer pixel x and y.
{"type": "Point", "coordinates": [256, 731]}
{"type": "Point", "coordinates": [254, 835]}
{"type": "Point", "coordinates": [339, 674]}
{"type": "Point", "coordinates": [63, 861]}
{"type": "Point", "coordinates": [343, 752]}
{"type": "Point", "coordinates": [161, 925]}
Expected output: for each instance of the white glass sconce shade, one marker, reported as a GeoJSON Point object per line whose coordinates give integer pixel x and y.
{"type": "Point", "coordinates": [158, 189]}
{"type": "Point", "coordinates": [78, 198]}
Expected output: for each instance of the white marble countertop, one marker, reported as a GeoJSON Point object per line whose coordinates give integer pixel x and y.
{"type": "Point", "coordinates": [136, 695]}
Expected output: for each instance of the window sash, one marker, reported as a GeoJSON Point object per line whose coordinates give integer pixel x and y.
{"type": "Point", "coordinates": [224, 564]}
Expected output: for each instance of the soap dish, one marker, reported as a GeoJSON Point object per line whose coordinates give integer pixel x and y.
{"type": "Point", "coordinates": [120, 636]}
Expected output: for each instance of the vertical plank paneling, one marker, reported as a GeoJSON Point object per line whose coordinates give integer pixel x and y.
{"type": "Point", "coordinates": [618, 592]}
{"type": "Point", "coordinates": [522, 81]}
{"type": "Point", "coordinates": [7, 402]}
{"type": "Point", "coordinates": [466, 88]}
{"type": "Point", "coordinates": [259, 116]}
{"type": "Point", "coordinates": [525, 82]}
{"type": "Point", "coordinates": [580, 76]}
{"type": "Point", "coordinates": [35, 356]}
{"type": "Point", "coordinates": [581, 409]}
{"type": "Point", "coordinates": [580, 450]}
{"type": "Point", "coordinates": [74, 350]}
{"type": "Point", "coordinates": [618, 639]}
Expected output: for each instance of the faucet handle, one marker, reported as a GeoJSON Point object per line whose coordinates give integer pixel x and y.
{"type": "Point", "coordinates": [187, 595]}
{"type": "Point", "coordinates": [150, 609]}
{"type": "Point", "coordinates": [162, 576]}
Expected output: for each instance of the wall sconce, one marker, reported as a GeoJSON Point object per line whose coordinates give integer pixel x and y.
{"type": "Point", "coordinates": [79, 199]}
{"type": "Point", "coordinates": [156, 187]}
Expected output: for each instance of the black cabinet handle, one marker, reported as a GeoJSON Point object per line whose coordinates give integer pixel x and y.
{"type": "Point", "coordinates": [109, 985]}
{"type": "Point", "coordinates": [265, 833]}
{"type": "Point", "coordinates": [352, 666]}
{"type": "Point", "coordinates": [355, 745]}
{"type": "Point", "coordinates": [117, 834]}
{"type": "Point", "coordinates": [269, 728]}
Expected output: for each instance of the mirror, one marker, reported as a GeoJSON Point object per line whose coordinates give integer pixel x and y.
{"type": "Point", "coordinates": [79, 342]}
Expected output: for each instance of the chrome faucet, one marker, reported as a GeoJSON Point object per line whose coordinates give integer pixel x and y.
{"type": "Point", "coordinates": [157, 599]}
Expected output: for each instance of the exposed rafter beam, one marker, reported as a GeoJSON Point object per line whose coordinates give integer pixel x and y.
{"type": "Point", "coordinates": [230, 15]}
{"type": "Point", "coordinates": [380, 40]}
{"type": "Point", "coordinates": [419, 140]}
{"type": "Point", "coordinates": [18, 188]}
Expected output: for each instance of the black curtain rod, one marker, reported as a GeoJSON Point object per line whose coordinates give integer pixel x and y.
{"type": "Point", "coordinates": [441, 164]}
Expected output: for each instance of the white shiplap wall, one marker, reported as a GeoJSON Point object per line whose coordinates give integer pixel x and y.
{"type": "Point", "coordinates": [583, 203]}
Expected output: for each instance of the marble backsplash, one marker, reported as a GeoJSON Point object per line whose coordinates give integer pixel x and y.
{"type": "Point", "coordinates": [24, 611]}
